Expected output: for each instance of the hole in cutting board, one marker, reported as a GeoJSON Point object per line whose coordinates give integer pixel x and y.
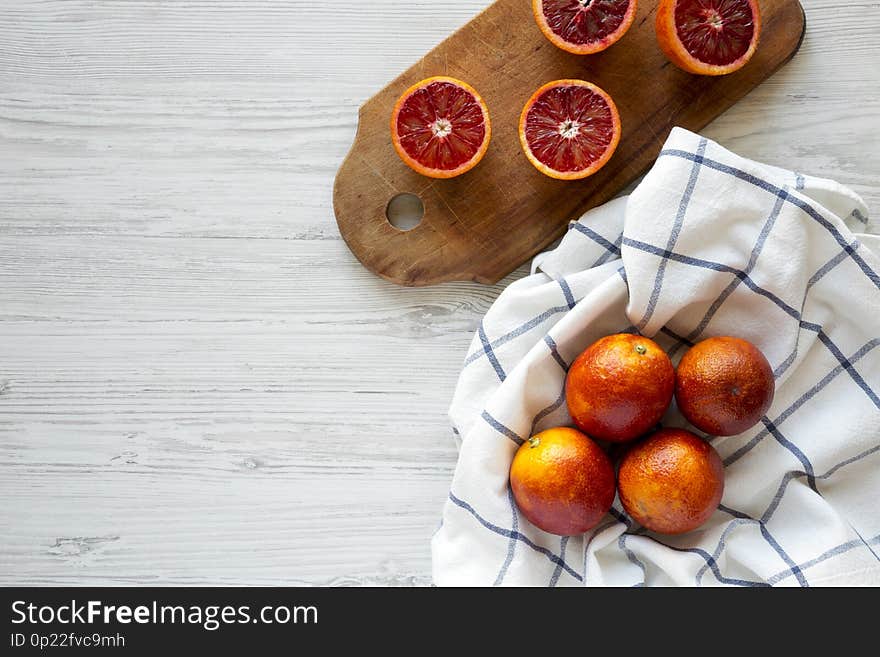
{"type": "Point", "coordinates": [405, 211]}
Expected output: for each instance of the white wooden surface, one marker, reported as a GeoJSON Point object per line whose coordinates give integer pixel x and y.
{"type": "Point", "coordinates": [198, 383]}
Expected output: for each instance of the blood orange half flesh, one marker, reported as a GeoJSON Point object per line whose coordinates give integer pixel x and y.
{"type": "Point", "coordinates": [569, 129]}
{"type": "Point", "coordinates": [440, 127]}
{"type": "Point", "coordinates": [708, 37]}
{"type": "Point", "coordinates": [584, 27]}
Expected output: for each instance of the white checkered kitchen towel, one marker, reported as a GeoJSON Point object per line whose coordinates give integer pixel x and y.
{"type": "Point", "coordinates": [708, 244]}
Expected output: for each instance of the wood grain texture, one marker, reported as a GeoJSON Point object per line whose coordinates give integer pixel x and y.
{"type": "Point", "coordinates": [483, 224]}
{"type": "Point", "coordinates": [199, 384]}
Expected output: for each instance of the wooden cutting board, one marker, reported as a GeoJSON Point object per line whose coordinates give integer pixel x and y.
{"type": "Point", "coordinates": [484, 224]}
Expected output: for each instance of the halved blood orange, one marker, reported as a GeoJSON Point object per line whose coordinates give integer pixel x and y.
{"type": "Point", "coordinates": [440, 127]}
{"type": "Point", "coordinates": [569, 129]}
{"type": "Point", "coordinates": [584, 27]}
{"type": "Point", "coordinates": [708, 37]}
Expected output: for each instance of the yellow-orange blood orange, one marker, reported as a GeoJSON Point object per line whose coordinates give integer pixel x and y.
{"type": "Point", "coordinates": [562, 481]}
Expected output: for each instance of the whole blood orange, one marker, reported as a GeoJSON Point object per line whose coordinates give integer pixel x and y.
{"type": "Point", "coordinates": [672, 482]}
{"type": "Point", "coordinates": [569, 129]}
{"type": "Point", "coordinates": [440, 127]}
{"type": "Point", "coordinates": [562, 481]}
{"type": "Point", "coordinates": [584, 27]}
{"type": "Point", "coordinates": [708, 37]}
{"type": "Point", "coordinates": [724, 386]}
{"type": "Point", "coordinates": [620, 387]}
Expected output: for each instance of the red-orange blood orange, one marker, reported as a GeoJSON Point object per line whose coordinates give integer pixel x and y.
{"type": "Point", "coordinates": [584, 27]}
{"type": "Point", "coordinates": [724, 385]}
{"type": "Point", "coordinates": [569, 129]}
{"type": "Point", "coordinates": [671, 482]}
{"type": "Point", "coordinates": [440, 127]}
{"type": "Point", "coordinates": [620, 387]}
{"type": "Point", "coordinates": [708, 37]}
